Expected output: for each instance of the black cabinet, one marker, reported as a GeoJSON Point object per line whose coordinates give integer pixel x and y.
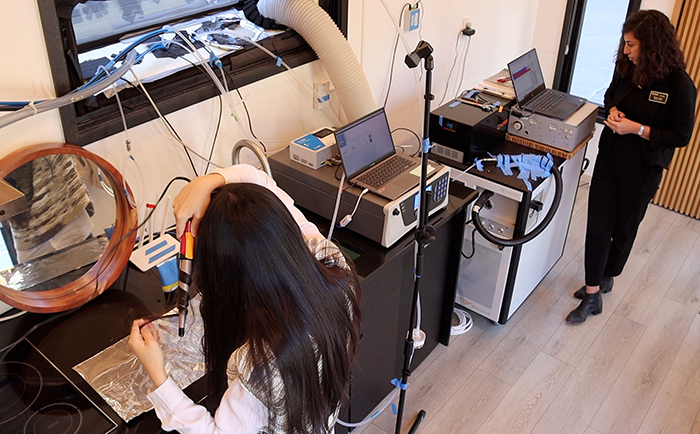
{"type": "Point", "coordinates": [387, 292]}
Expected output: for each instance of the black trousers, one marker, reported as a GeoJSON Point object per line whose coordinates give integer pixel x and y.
{"type": "Point", "coordinates": [622, 186]}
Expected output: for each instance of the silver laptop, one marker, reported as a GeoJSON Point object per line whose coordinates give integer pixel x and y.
{"type": "Point", "coordinates": [532, 94]}
{"type": "Point", "coordinates": [370, 160]}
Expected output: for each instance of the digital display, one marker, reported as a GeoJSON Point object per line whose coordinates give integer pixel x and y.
{"type": "Point", "coordinates": [323, 133]}
{"type": "Point", "coordinates": [416, 197]}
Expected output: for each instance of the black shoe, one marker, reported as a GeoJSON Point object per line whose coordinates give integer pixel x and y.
{"type": "Point", "coordinates": [605, 286]}
{"type": "Point", "coordinates": [592, 304]}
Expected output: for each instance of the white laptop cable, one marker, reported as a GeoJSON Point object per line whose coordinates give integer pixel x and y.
{"type": "Point", "coordinates": [348, 218]}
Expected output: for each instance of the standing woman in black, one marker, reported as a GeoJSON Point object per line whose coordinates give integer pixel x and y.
{"type": "Point", "coordinates": [650, 107]}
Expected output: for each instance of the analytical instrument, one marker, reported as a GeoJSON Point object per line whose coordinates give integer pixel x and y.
{"type": "Point", "coordinates": [376, 218]}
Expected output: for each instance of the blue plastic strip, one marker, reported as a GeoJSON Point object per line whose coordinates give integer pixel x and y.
{"type": "Point", "coordinates": [426, 145]}
{"type": "Point", "coordinates": [397, 383]}
{"type": "Point", "coordinates": [156, 247]}
{"type": "Point", "coordinates": [279, 61]}
{"type": "Point", "coordinates": [161, 254]}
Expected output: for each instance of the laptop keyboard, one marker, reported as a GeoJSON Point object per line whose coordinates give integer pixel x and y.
{"type": "Point", "coordinates": [547, 101]}
{"type": "Point", "coordinates": [385, 171]}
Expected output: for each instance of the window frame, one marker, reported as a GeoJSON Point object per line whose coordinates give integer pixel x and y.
{"type": "Point", "coordinates": [98, 117]}
{"type": "Point", "coordinates": [569, 42]}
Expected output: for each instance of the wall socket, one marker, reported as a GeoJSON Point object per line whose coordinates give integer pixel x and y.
{"type": "Point", "coordinates": [466, 22]}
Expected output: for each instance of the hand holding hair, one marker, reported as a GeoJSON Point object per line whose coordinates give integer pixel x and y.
{"type": "Point", "coordinates": [193, 200]}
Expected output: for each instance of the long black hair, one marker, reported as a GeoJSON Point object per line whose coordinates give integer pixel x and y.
{"type": "Point", "coordinates": [262, 287]}
{"type": "Point", "coordinates": [659, 50]}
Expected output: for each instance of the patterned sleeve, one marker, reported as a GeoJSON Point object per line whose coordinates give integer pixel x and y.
{"type": "Point", "coordinates": [327, 252]}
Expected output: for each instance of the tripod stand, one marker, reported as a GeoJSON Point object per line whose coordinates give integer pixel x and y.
{"type": "Point", "coordinates": [423, 234]}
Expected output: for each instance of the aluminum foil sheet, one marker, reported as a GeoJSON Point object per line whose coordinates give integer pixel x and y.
{"type": "Point", "coordinates": [119, 377]}
{"type": "Point", "coordinates": [37, 274]}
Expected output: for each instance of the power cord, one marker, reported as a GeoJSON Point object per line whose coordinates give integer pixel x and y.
{"type": "Point", "coordinates": [348, 218]}
{"type": "Point", "coordinates": [393, 55]}
{"type": "Point", "coordinates": [471, 255]}
{"type": "Point", "coordinates": [464, 322]}
{"type": "Point", "coordinates": [464, 57]}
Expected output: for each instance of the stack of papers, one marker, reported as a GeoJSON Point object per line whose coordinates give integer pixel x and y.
{"type": "Point", "coordinates": [498, 85]}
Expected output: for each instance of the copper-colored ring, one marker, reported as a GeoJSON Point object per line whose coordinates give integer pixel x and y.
{"type": "Point", "coordinates": [110, 265]}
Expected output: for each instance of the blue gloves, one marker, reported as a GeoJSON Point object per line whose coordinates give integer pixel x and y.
{"type": "Point", "coordinates": [530, 166]}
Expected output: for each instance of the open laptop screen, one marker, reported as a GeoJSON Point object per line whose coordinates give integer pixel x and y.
{"type": "Point", "coordinates": [527, 76]}
{"type": "Point", "coordinates": [364, 142]}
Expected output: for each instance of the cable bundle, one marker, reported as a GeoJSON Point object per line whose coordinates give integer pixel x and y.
{"type": "Point", "coordinates": [465, 322]}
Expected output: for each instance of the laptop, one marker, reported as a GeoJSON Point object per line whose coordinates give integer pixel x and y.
{"type": "Point", "coordinates": [532, 94]}
{"type": "Point", "coordinates": [370, 160]}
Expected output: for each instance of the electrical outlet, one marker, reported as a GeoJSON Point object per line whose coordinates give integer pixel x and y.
{"type": "Point", "coordinates": [466, 22]}
{"type": "Point", "coordinates": [321, 93]}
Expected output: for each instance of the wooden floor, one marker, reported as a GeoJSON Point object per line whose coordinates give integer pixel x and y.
{"type": "Point", "coordinates": [635, 368]}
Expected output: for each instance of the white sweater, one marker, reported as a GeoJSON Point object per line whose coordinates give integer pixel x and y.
{"type": "Point", "coordinates": [239, 412]}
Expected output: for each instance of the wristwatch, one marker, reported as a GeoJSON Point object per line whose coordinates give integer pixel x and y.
{"type": "Point", "coordinates": [641, 130]}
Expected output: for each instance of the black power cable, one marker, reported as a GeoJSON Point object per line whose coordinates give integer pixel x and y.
{"type": "Point", "coordinates": [487, 194]}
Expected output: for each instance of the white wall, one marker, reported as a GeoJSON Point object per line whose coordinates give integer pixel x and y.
{"type": "Point", "coordinates": [504, 30]}
{"type": "Point", "coordinates": [280, 109]}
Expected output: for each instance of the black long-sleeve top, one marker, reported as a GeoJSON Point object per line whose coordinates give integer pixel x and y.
{"type": "Point", "coordinates": [667, 106]}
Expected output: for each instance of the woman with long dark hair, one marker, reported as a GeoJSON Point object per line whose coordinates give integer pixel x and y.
{"type": "Point", "coordinates": [280, 307]}
{"type": "Point", "coordinates": [650, 107]}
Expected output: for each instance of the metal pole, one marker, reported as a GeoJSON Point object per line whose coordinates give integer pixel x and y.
{"type": "Point", "coordinates": [423, 234]}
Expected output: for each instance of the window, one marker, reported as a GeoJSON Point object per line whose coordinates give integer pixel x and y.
{"type": "Point", "coordinates": [589, 43]}
{"type": "Point", "coordinates": [72, 27]}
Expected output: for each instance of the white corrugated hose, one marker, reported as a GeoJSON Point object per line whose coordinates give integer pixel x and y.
{"type": "Point", "coordinates": [334, 51]}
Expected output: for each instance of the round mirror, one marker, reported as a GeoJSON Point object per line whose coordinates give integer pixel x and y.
{"type": "Point", "coordinates": [76, 234]}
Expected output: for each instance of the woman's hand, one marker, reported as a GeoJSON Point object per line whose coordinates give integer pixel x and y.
{"type": "Point", "coordinates": [193, 200]}
{"type": "Point", "coordinates": [143, 341]}
{"type": "Point", "coordinates": [619, 124]}
{"type": "Point", "coordinates": [615, 115]}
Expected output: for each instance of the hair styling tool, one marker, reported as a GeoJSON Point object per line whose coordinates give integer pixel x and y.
{"type": "Point", "coordinates": [185, 277]}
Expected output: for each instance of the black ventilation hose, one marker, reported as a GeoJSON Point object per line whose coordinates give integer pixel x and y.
{"type": "Point", "coordinates": [250, 10]}
{"type": "Point", "coordinates": [486, 195]}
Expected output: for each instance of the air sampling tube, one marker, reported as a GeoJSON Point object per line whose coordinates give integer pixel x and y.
{"type": "Point", "coordinates": [69, 98]}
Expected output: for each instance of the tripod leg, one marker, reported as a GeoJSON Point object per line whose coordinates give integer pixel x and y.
{"type": "Point", "coordinates": [416, 423]}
